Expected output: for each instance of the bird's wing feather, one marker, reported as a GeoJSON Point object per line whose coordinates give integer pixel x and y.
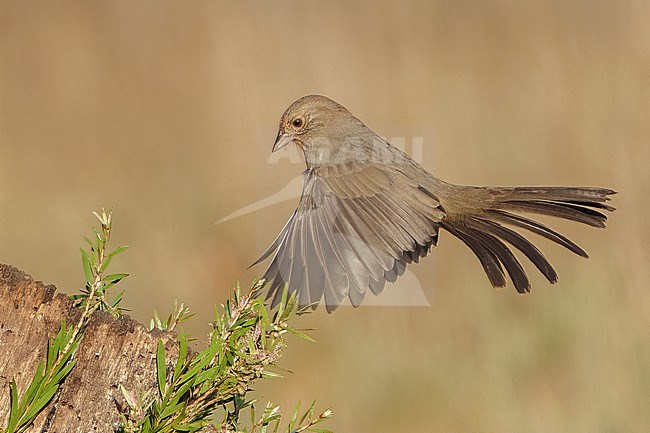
{"type": "Point", "coordinates": [350, 234]}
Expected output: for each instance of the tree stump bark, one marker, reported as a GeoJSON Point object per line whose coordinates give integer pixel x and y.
{"type": "Point", "coordinates": [112, 352]}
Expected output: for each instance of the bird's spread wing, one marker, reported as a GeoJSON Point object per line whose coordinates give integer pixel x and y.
{"type": "Point", "coordinates": [349, 234]}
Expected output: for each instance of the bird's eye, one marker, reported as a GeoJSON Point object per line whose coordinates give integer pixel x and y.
{"type": "Point", "coordinates": [298, 122]}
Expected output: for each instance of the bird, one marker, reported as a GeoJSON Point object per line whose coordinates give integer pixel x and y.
{"type": "Point", "coordinates": [368, 210]}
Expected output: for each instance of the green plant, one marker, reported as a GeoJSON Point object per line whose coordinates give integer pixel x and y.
{"type": "Point", "coordinates": [244, 344]}
{"type": "Point", "coordinates": [95, 263]}
{"type": "Point", "coordinates": [179, 315]}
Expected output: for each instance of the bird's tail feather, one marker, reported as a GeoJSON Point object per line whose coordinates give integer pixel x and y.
{"type": "Point", "coordinates": [482, 231]}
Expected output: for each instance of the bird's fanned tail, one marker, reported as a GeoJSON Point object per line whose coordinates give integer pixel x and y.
{"type": "Point", "coordinates": [484, 233]}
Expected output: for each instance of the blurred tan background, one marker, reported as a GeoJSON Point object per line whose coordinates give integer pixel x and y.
{"type": "Point", "coordinates": [167, 112]}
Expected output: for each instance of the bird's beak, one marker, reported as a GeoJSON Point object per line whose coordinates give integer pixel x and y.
{"type": "Point", "coordinates": [282, 140]}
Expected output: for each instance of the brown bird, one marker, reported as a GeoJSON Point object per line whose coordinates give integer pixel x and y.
{"type": "Point", "coordinates": [368, 210]}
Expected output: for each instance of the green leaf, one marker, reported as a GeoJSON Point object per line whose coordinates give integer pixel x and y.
{"type": "Point", "coordinates": [53, 347]}
{"type": "Point", "coordinates": [208, 375]}
{"type": "Point", "coordinates": [301, 335]}
{"type": "Point", "coordinates": [180, 392]}
{"type": "Point", "coordinates": [271, 375]}
{"type": "Point", "coordinates": [14, 413]}
{"type": "Point", "coordinates": [89, 242]}
{"type": "Point", "coordinates": [294, 416]}
{"type": "Point", "coordinates": [118, 299]}
{"type": "Point", "coordinates": [118, 250]}
{"type": "Point", "coordinates": [63, 373]}
{"type": "Point", "coordinates": [171, 409]}
{"type": "Point", "coordinates": [40, 403]}
{"type": "Point", "coordinates": [32, 390]}
{"type": "Point", "coordinates": [156, 319]}
{"type": "Point", "coordinates": [161, 369]}
{"type": "Point", "coordinates": [85, 260]}
{"type": "Point", "coordinates": [114, 278]}
{"type": "Point", "coordinates": [66, 356]}
{"type": "Point", "coordinates": [190, 427]}
{"type": "Point", "coordinates": [309, 414]}
{"type": "Point", "coordinates": [109, 257]}
{"type": "Point", "coordinates": [202, 360]}
{"type": "Point", "coordinates": [147, 427]}
{"type": "Point", "coordinates": [283, 301]}
{"type": "Point", "coordinates": [182, 353]}
{"type": "Point", "coordinates": [271, 413]}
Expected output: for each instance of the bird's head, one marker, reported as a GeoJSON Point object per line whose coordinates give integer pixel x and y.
{"type": "Point", "coordinates": [321, 127]}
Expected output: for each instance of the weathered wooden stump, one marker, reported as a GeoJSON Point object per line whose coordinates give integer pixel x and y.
{"type": "Point", "coordinates": [113, 352]}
